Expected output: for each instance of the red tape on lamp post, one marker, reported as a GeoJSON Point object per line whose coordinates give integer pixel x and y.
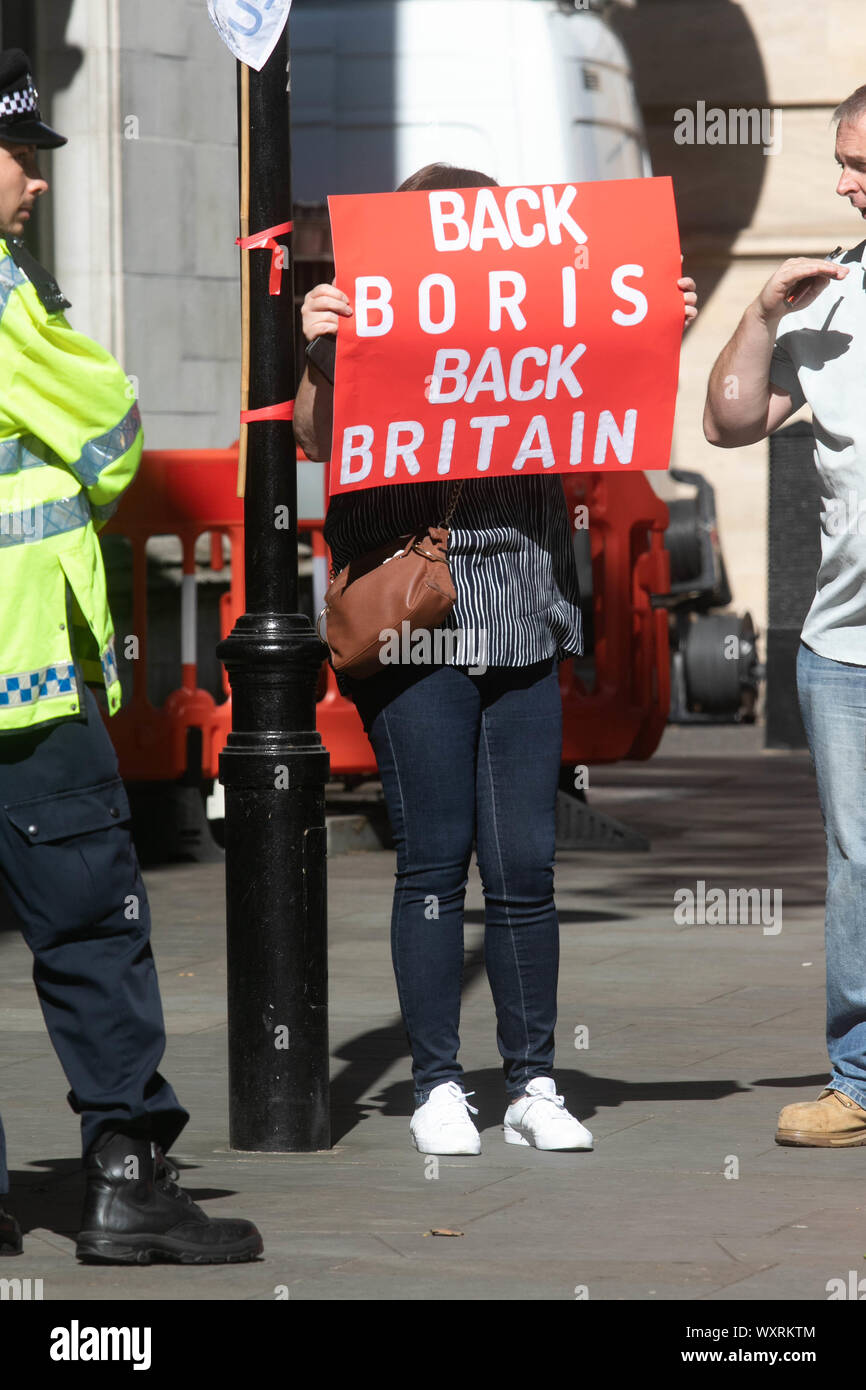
{"type": "Point", "coordinates": [284, 411]}
{"type": "Point", "coordinates": [267, 241]}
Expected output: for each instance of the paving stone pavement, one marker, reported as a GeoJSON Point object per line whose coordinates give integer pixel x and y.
{"type": "Point", "coordinates": [696, 1036]}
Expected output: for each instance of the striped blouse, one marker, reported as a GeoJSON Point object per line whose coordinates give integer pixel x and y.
{"type": "Point", "coordinates": [510, 554]}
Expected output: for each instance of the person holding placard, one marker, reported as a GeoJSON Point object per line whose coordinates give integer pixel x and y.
{"type": "Point", "coordinates": [469, 751]}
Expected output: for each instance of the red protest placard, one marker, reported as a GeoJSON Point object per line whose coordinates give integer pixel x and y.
{"type": "Point", "coordinates": [505, 330]}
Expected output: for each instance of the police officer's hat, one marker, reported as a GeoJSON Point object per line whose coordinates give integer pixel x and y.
{"type": "Point", "coordinates": [20, 118]}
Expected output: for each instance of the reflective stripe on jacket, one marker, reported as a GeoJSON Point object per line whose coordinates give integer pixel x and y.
{"type": "Point", "coordinates": [70, 445]}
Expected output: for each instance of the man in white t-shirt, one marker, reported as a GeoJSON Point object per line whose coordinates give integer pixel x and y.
{"type": "Point", "coordinates": [803, 340]}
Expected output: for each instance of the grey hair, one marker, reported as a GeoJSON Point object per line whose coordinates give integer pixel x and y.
{"type": "Point", "coordinates": [852, 108]}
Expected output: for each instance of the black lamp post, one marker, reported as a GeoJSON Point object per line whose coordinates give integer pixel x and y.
{"type": "Point", "coordinates": [274, 767]}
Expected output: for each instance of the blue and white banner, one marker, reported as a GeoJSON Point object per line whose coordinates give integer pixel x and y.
{"type": "Point", "coordinates": [250, 28]}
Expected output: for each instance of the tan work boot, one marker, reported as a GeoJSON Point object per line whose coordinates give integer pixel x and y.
{"type": "Point", "coordinates": [833, 1121]}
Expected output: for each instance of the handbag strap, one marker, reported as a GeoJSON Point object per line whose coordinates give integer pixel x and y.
{"type": "Point", "coordinates": [453, 499]}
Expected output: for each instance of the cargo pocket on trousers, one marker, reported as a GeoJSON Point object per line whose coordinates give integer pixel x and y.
{"type": "Point", "coordinates": [75, 859]}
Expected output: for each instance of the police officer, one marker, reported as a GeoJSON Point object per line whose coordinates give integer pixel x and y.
{"type": "Point", "coordinates": [70, 444]}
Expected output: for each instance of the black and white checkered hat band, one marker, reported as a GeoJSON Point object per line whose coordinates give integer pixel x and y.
{"type": "Point", "coordinates": [19, 103]}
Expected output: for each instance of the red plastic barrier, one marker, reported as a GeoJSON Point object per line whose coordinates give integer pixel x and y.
{"type": "Point", "coordinates": [624, 714]}
{"type": "Point", "coordinates": [191, 492]}
{"type": "Point", "coordinates": [181, 494]}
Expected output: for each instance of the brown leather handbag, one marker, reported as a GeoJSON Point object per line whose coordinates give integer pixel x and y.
{"type": "Point", "coordinates": [406, 580]}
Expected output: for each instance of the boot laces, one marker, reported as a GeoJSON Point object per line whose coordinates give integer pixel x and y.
{"type": "Point", "coordinates": [166, 1177]}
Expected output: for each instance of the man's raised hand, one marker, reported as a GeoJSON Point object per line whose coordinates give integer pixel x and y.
{"type": "Point", "coordinates": [796, 283]}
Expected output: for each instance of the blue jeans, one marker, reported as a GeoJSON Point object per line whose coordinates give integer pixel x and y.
{"type": "Point", "coordinates": [466, 758]}
{"type": "Point", "coordinates": [833, 705]}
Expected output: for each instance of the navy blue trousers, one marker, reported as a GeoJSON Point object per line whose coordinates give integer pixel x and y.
{"type": "Point", "coordinates": [70, 876]}
{"type": "Point", "coordinates": [471, 758]}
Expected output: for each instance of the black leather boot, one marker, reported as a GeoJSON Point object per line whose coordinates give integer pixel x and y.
{"type": "Point", "coordinates": [10, 1234]}
{"type": "Point", "coordinates": [134, 1212]}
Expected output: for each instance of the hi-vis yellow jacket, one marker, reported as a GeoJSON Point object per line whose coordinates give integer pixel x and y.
{"type": "Point", "coordinates": [70, 444]}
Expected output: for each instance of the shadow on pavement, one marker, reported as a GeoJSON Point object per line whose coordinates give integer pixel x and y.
{"type": "Point", "coordinates": [52, 1200]}
{"type": "Point", "coordinates": [370, 1055]}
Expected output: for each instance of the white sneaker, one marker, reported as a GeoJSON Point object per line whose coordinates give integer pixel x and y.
{"type": "Point", "coordinates": [540, 1118]}
{"type": "Point", "coordinates": [442, 1125]}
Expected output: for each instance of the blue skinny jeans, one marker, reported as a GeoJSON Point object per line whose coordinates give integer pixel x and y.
{"type": "Point", "coordinates": [471, 758]}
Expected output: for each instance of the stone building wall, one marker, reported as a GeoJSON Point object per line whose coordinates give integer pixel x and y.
{"type": "Point", "coordinates": [742, 212]}
{"type": "Point", "coordinates": [144, 202]}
